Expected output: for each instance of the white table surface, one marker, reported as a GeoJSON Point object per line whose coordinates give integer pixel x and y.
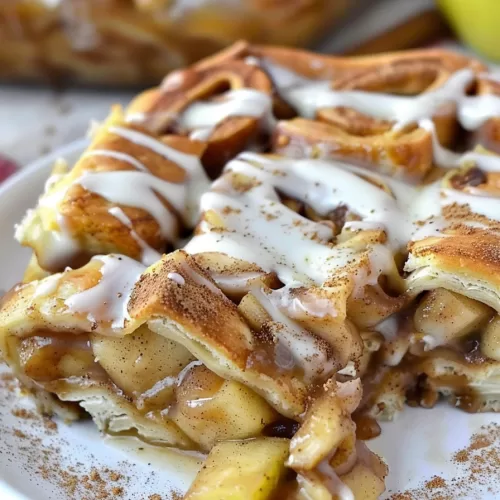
{"type": "Point", "coordinates": [36, 120]}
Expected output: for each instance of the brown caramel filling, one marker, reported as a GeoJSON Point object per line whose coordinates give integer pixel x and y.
{"type": "Point", "coordinates": [201, 403]}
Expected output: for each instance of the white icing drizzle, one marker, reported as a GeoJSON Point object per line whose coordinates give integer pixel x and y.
{"type": "Point", "coordinates": [442, 156]}
{"type": "Point", "coordinates": [308, 96]}
{"type": "Point", "coordinates": [171, 381]}
{"type": "Point", "coordinates": [117, 155]}
{"type": "Point", "coordinates": [156, 389]}
{"type": "Point", "coordinates": [296, 307]}
{"type": "Point", "coordinates": [266, 242]}
{"type": "Point", "coordinates": [486, 162]}
{"type": "Point", "coordinates": [446, 158]}
{"type": "Point", "coordinates": [306, 350]}
{"type": "Point", "coordinates": [327, 185]}
{"type": "Point", "coordinates": [235, 283]}
{"type": "Point", "coordinates": [333, 483]}
{"type": "Point", "coordinates": [196, 403]}
{"type": "Point", "coordinates": [201, 280]}
{"type": "Point", "coordinates": [284, 78]}
{"type": "Point", "coordinates": [261, 230]}
{"type": "Point", "coordinates": [489, 206]}
{"type": "Point", "coordinates": [149, 254]}
{"type": "Point", "coordinates": [47, 286]}
{"type": "Point", "coordinates": [108, 300]}
{"type": "Point", "coordinates": [137, 189]}
{"type": "Point", "coordinates": [182, 374]}
{"type": "Point", "coordinates": [177, 278]}
{"type": "Point", "coordinates": [59, 246]}
{"type": "Point", "coordinates": [198, 180]}
{"type": "Point", "coordinates": [473, 111]}
{"type": "Point", "coordinates": [201, 117]}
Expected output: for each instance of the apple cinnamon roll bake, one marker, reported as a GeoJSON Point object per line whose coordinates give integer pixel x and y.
{"type": "Point", "coordinates": [265, 253]}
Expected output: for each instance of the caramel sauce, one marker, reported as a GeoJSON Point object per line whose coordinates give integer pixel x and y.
{"type": "Point", "coordinates": [464, 397]}
{"type": "Point", "coordinates": [422, 394]}
{"type": "Point", "coordinates": [58, 356]}
{"type": "Point", "coordinates": [194, 391]}
{"type": "Point", "coordinates": [264, 360]}
{"type": "Point", "coordinates": [366, 427]}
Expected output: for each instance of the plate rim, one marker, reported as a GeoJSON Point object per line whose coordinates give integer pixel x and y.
{"type": "Point", "coordinates": [25, 171]}
{"type": "Point", "coordinates": [22, 175]}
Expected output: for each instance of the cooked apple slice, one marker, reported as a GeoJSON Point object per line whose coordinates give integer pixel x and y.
{"type": "Point", "coordinates": [210, 409]}
{"type": "Point", "coordinates": [48, 358]}
{"type": "Point", "coordinates": [445, 315]}
{"type": "Point", "coordinates": [241, 470]}
{"type": "Point", "coordinates": [490, 339]}
{"type": "Point", "coordinates": [140, 361]}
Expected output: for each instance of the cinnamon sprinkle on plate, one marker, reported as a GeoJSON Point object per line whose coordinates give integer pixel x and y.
{"type": "Point", "coordinates": [476, 464]}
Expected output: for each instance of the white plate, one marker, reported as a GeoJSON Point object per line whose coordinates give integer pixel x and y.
{"type": "Point", "coordinates": [417, 446]}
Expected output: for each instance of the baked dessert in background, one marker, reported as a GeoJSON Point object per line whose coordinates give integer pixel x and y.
{"type": "Point", "coordinates": [342, 263]}
{"type": "Point", "coordinates": [388, 25]}
{"type": "Point", "coordinates": [136, 42]}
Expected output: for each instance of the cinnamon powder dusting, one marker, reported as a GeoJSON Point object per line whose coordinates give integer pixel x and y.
{"type": "Point", "coordinates": [34, 445]}
{"type": "Point", "coordinates": [476, 465]}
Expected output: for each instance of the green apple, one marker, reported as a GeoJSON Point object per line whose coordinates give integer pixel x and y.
{"type": "Point", "coordinates": [477, 23]}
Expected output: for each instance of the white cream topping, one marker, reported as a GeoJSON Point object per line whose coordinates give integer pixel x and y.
{"type": "Point", "coordinates": [264, 232]}
{"type": "Point", "coordinates": [327, 185]}
{"type": "Point", "coordinates": [201, 117]}
{"type": "Point", "coordinates": [261, 230]}
{"type": "Point", "coordinates": [117, 155]}
{"type": "Point", "coordinates": [235, 283]}
{"type": "Point", "coordinates": [177, 278]}
{"type": "Point", "coordinates": [197, 178]}
{"type": "Point", "coordinates": [442, 156]}
{"type": "Point", "coordinates": [108, 300]}
{"type": "Point", "coordinates": [58, 246]}
{"type": "Point", "coordinates": [201, 280]}
{"type": "Point", "coordinates": [306, 350]}
{"type": "Point", "coordinates": [47, 286]}
{"type": "Point", "coordinates": [182, 374]}
{"type": "Point", "coordinates": [137, 189]}
{"type": "Point", "coordinates": [333, 482]}
{"type": "Point", "coordinates": [295, 307]}
{"type": "Point", "coordinates": [479, 203]}
{"type": "Point", "coordinates": [308, 96]}
{"type": "Point", "coordinates": [486, 162]}
{"type": "Point", "coordinates": [149, 254]}
{"type": "Point", "coordinates": [446, 158]}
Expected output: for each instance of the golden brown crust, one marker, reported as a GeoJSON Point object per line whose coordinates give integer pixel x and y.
{"type": "Point", "coordinates": [207, 315]}
{"type": "Point", "coordinates": [385, 150]}
{"type": "Point", "coordinates": [85, 216]}
{"type": "Point", "coordinates": [335, 132]}
{"type": "Point", "coordinates": [475, 255]}
{"type": "Point", "coordinates": [159, 108]}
